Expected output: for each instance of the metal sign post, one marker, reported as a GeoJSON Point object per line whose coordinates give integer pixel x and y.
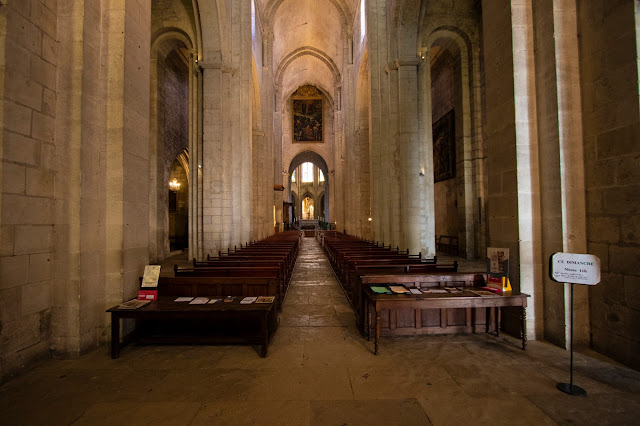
{"type": "Point", "coordinates": [573, 268]}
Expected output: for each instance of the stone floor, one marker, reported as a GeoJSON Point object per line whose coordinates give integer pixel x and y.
{"type": "Point", "coordinates": [321, 372]}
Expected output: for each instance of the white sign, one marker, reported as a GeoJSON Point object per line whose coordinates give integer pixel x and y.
{"type": "Point", "coordinates": [575, 268]}
{"type": "Point", "coordinates": [497, 258]}
{"type": "Point", "coordinates": [150, 277]}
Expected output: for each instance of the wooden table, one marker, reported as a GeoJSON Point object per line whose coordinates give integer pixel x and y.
{"type": "Point", "coordinates": [262, 318]}
{"type": "Point", "coordinates": [465, 299]}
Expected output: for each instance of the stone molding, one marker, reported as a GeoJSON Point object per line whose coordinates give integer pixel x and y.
{"type": "Point", "coordinates": [223, 66]}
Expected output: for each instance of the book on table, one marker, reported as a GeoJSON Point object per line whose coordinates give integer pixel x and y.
{"type": "Point", "coordinates": [265, 299]}
{"type": "Point", "coordinates": [184, 299]}
{"type": "Point", "coordinates": [199, 301]}
{"type": "Point", "coordinates": [400, 289]}
{"type": "Point", "coordinates": [248, 300]}
{"type": "Point", "coordinates": [133, 304]}
{"type": "Point", "coordinates": [378, 289]}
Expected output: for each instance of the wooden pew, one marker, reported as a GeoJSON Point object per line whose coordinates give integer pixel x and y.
{"type": "Point", "coordinates": [243, 272]}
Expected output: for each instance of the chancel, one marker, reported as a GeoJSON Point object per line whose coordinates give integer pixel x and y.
{"type": "Point", "coordinates": [321, 181]}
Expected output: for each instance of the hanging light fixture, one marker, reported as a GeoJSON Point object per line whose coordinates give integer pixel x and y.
{"type": "Point", "coordinates": [174, 185]}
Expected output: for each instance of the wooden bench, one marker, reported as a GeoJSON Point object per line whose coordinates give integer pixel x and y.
{"type": "Point", "coordinates": [436, 313]}
{"type": "Point", "coordinates": [166, 321]}
{"type": "Point", "coordinates": [244, 272]}
{"type": "Point", "coordinates": [447, 244]}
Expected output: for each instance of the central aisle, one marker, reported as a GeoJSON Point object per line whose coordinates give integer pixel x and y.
{"type": "Point", "coordinates": [315, 297]}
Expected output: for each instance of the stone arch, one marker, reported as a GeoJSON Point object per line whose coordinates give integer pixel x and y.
{"type": "Point", "coordinates": [318, 161]}
{"type": "Point", "coordinates": [302, 51]}
{"type": "Point", "coordinates": [340, 5]}
{"type": "Point", "coordinates": [325, 59]}
{"type": "Point", "coordinates": [309, 157]}
{"type": "Point", "coordinates": [167, 43]}
{"type": "Point", "coordinates": [463, 49]}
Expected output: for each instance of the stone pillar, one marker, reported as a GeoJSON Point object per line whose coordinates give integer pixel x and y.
{"type": "Point", "coordinates": [128, 35]}
{"type": "Point", "coordinates": [393, 173]}
{"type": "Point", "coordinates": [195, 158]}
{"type": "Point", "coordinates": [502, 190]}
{"type": "Point", "coordinates": [411, 152]}
{"type": "Point", "coordinates": [212, 161]}
{"type": "Point", "coordinates": [527, 148]}
{"type": "Point", "coordinates": [425, 178]}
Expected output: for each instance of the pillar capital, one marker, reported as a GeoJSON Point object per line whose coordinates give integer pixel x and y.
{"type": "Point", "coordinates": [407, 62]}
{"type": "Point", "coordinates": [222, 66]}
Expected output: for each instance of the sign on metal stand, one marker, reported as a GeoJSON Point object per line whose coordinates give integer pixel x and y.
{"type": "Point", "coordinates": [574, 268]}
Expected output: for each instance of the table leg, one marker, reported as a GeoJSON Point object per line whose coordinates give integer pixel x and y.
{"type": "Point", "coordinates": [265, 331]}
{"type": "Point", "coordinates": [498, 320]}
{"type": "Point", "coordinates": [523, 327]}
{"type": "Point", "coordinates": [377, 331]}
{"type": "Point", "coordinates": [115, 335]}
{"type": "Point", "coordinates": [368, 318]}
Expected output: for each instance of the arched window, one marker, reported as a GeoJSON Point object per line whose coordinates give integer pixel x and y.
{"type": "Point", "coordinates": [307, 172]}
{"type": "Point", "coordinates": [363, 20]}
{"type": "Point", "coordinates": [253, 20]}
{"type": "Point", "coordinates": [293, 176]}
{"type": "Point", "coordinates": [320, 176]}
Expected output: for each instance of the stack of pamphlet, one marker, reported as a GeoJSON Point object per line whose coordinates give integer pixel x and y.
{"type": "Point", "coordinates": [133, 304]}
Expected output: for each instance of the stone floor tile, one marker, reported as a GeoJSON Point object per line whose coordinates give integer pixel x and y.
{"type": "Point", "coordinates": [403, 412]}
{"type": "Point", "coordinates": [246, 357]}
{"type": "Point", "coordinates": [204, 385]}
{"type": "Point", "coordinates": [139, 413]}
{"type": "Point", "coordinates": [496, 410]}
{"type": "Point", "coordinates": [592, 409]}
{"type": "Point", "coordinates": [309, 383]}
{"type": "Point", "coordinates": [264, 413]}
{"type": "Point", "coordinates": [397, 380]}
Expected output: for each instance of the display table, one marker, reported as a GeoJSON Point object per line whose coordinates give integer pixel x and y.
{"type": "Point", "coordinates": [173, 322]}
{"type": "Point", "coordinates": [466, 299]}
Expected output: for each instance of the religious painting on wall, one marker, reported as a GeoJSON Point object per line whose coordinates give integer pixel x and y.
{"type": "Point", "coordinates": [444, 148]}
{"type": "Point", "coordinates": [307, 115]}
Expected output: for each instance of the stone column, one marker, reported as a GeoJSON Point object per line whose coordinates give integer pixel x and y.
{"type": "Point", "coordinates": [393, 173]}
{"type": "Point", "coordinates": [411, 153]}
{"type": "Point", "coordinates": [211, 172]}
{"type": "Point", "coordinates": [527, 159]}
{"type": "Point", "coordinates": [425, 179]}
{"type": "Point", "coordinates": [195, 159]}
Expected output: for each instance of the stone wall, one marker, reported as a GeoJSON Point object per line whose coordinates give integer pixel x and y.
{"type": "Point", "coordinates": [27, 153]}
{"type": "Point", "coordinates": [612, 172]}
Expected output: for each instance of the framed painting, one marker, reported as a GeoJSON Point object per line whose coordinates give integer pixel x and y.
{"type": "Point", "coordinates": [444, 148]}
{"type": "Point", "coordinates": [307, 115]}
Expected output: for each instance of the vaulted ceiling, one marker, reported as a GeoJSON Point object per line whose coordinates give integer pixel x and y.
{"type": "Point", "coordinates": [309, 40]}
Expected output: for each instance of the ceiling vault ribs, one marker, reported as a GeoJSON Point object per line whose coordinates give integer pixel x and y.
{"type": "Point", "coordinates": [302, 51]}
{"type": "Point", "coordinates": [343, 10]}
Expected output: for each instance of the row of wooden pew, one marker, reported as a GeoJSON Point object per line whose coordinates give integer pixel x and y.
{"type": "Point", "coordinates": [261, 268]}
{"type": "Point", "coordinates": [352, 258]}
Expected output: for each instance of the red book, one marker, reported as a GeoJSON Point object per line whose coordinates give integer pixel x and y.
{"type": "Point", "coordinates": [147, 294]}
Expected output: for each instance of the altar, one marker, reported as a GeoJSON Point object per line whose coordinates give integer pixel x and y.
{"type": "Point", "coordinates": [309, 224]}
